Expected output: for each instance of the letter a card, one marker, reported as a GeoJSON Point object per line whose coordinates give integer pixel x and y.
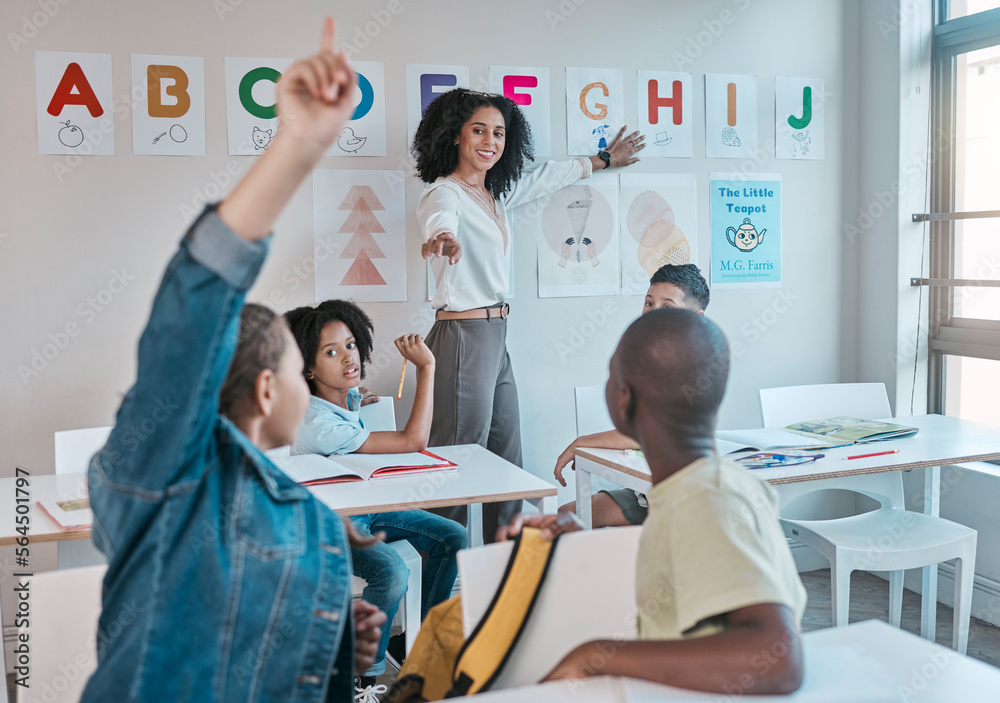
{"type": "Point", "coordinates": [746, 230]}
{"type": "Point", "coordinates": [170, 121]}
{"type": "Point", "coordinates": [74, 103]}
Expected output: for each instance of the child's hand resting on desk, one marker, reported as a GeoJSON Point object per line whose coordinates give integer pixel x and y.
{"type": "Point", "coordinates": [314, 96]}
{"type": "Point", "coordinates": [565, 459]}
{"type": "Point", "coordinates": [413, 349]}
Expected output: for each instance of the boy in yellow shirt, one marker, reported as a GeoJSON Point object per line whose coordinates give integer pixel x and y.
{"type": "Point", "coordinates": [719, 599]}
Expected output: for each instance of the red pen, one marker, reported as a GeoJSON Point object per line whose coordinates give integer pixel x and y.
{"type": "Point", "coordinates": [865, 456]}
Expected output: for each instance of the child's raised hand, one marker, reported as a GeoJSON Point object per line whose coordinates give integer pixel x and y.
{"type": "Point", "coordinates": [413, 349]}
{"type": "Point", "coordinates": [314, 96]}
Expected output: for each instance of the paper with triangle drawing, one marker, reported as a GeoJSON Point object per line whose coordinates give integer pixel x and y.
{"type": "Point", "coordinates": [359, 235]}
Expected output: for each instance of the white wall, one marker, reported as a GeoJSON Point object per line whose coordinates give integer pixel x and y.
{"type": "Point", "coordinates": [66, 239]}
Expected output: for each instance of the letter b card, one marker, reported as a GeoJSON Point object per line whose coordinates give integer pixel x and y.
{"type": "Point", "coordinates": [168, 105]}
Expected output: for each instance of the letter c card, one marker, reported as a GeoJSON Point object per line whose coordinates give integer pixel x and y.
{"type": "Point", "coordinates": [251, 103]}
{"type": "Point", "coordinates": [171, 119]}
{"type": "Point", "coordinates": [74, 103]}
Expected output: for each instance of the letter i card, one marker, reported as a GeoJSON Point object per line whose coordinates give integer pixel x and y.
{"type": "Point", "coordinates": [746, 230]}
{"type": "Point", "coordinates": [168, 105]}
{"type": "Point", "coordinates": [74, 103]}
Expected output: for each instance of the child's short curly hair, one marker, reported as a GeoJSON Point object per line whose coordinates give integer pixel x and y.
{"type": "Point", "coordinates": [307, 325]}
{"type": "Point", "coordinates": [434, 141]}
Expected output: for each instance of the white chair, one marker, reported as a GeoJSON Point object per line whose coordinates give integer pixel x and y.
{"type": "Point", "coordinates": [888, 538]}
{"type": "Point", "coordinates": [73, 450]}
{"type": "Point", "coordinates": [591, 410]}
{"type": "Point", "coordinates": [65, 606]}
{"type": "Point", "coordinates": [588, 593]}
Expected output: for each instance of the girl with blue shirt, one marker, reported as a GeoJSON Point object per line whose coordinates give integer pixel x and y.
{"type": "Point", "coordinates": [335, 339]}
{"type": "Point", "coordinates": [235, 581]}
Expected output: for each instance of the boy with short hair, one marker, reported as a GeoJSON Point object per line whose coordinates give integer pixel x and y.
{"type": "Point", "coordinates": [719, 598]}
{"type": "Point", "coordinates": [670, 287]}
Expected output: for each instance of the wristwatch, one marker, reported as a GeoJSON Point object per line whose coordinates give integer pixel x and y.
{"type": "Point", "coordinates": [605, 157]}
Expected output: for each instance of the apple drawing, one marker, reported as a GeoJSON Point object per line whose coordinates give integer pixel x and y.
{"type": "Point", "coordinates": [70, 135]}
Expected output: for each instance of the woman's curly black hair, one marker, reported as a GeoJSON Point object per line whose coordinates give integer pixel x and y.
{"type": "Point", "coordinates": [307, 324]}
{"type": "Point", "coordinates": [434, 141]}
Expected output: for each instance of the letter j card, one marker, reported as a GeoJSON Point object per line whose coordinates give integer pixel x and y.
{"type": "Point", "coordinates": [746, 230]}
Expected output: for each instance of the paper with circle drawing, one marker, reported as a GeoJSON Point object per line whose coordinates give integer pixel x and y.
{"type": "Point", "coordinates": [659, 216]}
{"type": "Point", "coordinates": [799, 118]}
{"type": "Point", "coordinates": [74, 103]}
{"type": "Point", "coordinates": [745, 230]}
{"type": "Point", "coordinates": [730, 116]}
{"type": "Point", "coordinates": [171, 120]}
{"type": "Point", "coordinates": [364, 134]}
{"type": "Point", "coordinates": [664, 98]}
{"type": "Point", "coordinates": [529, 88]}
{"type": "Point", "coordinates": [250, 103]}
{"type": "Point", "coordinates": [359, 235]}
{"type": "Point", "coordinates": [578, 245]}
{"type": "Point", "coordinates": [594, 109]}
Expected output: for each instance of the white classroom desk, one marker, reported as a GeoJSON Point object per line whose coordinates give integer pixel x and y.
{"type": "Point", "coordinates": [481, 477]}
{"type": "Point", "coordinates": [941, 441]}
{"type": "Point", "coordinates": [912, 669]}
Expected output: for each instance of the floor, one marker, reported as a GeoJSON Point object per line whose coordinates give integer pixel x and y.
{"type": "Point", "coordinates": [869, 599]}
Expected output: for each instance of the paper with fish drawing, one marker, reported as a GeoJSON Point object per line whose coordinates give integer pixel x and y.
{"type": "Point", "coordinates": [730, 116]}
{"type": "Point", "coordinates": [364, 134]}
{"type": "Point", "coordinates": [659, 216]}
{"type": "Point", "coordinates": [359, 235]}
{"type": "Point", "coordinates": [745, 230]}
{"type": "Point", "coordinates": [578, 245]}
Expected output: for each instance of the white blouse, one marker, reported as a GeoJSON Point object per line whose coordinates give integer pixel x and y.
{"type": "Point", "coordinates": [482, 276]}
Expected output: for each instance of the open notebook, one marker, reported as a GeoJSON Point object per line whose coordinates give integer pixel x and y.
{"type": "Point", "coordinates": [316, 469]}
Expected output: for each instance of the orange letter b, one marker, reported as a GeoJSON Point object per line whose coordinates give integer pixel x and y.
{"type": "Point", "coordinates": [154, 75]}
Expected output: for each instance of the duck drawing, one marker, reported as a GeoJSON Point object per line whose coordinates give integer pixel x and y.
{"type": "Point", "coordinates": [350, 143]}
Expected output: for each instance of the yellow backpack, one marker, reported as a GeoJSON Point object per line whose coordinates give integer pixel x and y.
{"type": "Point", "coordinates": [443, 664]}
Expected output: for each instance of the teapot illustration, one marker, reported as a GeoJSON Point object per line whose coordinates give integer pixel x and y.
{"type": "Point", "coordinates": [746, 238]}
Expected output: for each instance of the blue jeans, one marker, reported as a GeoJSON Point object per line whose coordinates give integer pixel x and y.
{"type": "Point", "coordinates": [386, 573]}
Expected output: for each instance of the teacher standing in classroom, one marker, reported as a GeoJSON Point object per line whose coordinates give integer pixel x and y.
{"type": "Point", "coordinates": [471, 148]}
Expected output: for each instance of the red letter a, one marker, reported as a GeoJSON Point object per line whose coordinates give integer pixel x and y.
{"type": "Point", "coordinates": [84, 95]}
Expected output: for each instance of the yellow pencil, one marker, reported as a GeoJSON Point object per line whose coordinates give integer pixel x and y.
{"type": "Point", "coordinates": [402, 375]}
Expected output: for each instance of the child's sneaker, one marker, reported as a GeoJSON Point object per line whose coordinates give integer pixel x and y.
{"type": "Point", "coordinates": [365, 690]}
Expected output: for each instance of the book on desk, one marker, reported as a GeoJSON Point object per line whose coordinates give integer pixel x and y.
{"type": "Point", "coordinates": [824, 434]}
{"type": "Point", "coordinates": [316, 469]}
{"type": "Point", "coordinates": [71, 514]}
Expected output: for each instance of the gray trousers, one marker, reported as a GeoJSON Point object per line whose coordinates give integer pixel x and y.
{"type": "Point", "coordinates": [475, 402]}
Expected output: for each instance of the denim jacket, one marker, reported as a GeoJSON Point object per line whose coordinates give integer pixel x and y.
{"type": "Point", "coordinates": [227, 581]}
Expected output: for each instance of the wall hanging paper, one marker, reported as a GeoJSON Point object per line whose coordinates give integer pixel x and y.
{"type": "Point", "coordinates": [659, 215]}
{"type": "Point", "coordinates": [665, 113]}
{"type": "Point", "coordinates": [74, 103]}
{"type": "Point", "coordinates": [364, 134]}
{"type": "Point", "coordinates": [746, 231]}
{"type": "Point", "coordinates": [578, 245]}
{"type": "Point", "coordinates": [251, 108]}
{"type": "Point", "coordinates": [424, 82]}
{"type": "Point", "coordinates": [594, 109]}
{"type": "Point", "coordinates": [359, 235]}
{"type": "Point", "coordinates": [730, 116]}
{"type": "Point", "coordinates": [171, 119]}
{"type": "Point", "coordinates": [529, 89]}
{"type": "Point", "coordinates": [799, 118]}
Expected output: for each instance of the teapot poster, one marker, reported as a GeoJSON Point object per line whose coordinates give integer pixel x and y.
{"type": "Point", "coordinates": [746, 230]}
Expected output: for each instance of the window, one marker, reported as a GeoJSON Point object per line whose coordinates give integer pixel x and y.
{"type": "Point", "coordinates": [964, 343]}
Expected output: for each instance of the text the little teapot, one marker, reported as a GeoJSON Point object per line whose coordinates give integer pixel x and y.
{"type": "Point", "coordinates": [746, 238]}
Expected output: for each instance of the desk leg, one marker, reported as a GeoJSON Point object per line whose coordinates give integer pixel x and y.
{"type": "Point", "coordinates": [476, 525]}
{"type": "Point", "coordinates": [583, 496]}
{"type": "Point", "coordinates": [929, 579]}
{"type": "Point", "coordinates": [546, 505]}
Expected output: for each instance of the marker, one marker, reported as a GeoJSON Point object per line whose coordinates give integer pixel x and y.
{"type": "Point", "coordinates": [865, 456]}
{"type": "Point", "coordinates": [402, 375]}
